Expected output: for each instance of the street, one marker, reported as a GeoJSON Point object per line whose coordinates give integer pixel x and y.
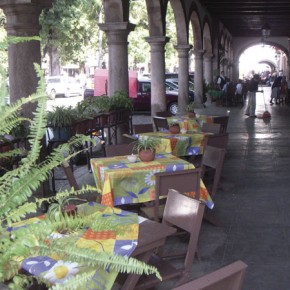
{"type": "Point", "coordinates": [62, 101]}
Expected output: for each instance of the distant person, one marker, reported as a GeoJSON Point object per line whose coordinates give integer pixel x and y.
{"type": "Point", "coordinates": [221, 81]}
{"type": "Point", "coordinates": [276, 89]}
{"type": "Point", "coordinates": [239, 92]}
{"type": "Point", "coordinates": [283, 90]}
{"type": "Point", "coordinates": [253, 89]}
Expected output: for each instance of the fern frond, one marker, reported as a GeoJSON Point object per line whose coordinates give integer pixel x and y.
{"type": "Point", "coordinates": [74, 283]}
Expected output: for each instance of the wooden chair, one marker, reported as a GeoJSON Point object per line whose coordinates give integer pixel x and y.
{"type": "Point", "coordinates": [185, 213]}
{"type": "Point", "coordinates": [226, 278]}
{"type": "Point", "coordinates": [119, 149]}
{"type": "Point", "coordinates": [212, 162]}
{"type": "Point", "coordinates": [160, 123]}
{"type": "Point", "coordinates": [143, 128]}
{"type": "Point", "coordinates": [217, 140]}
{"type": "Point", "coordinates": [181, 180]}
{"type": "Point", "coordinates": [164, 114]}
{"type": "Point", "coordinates": [211, 128]}
{"type": "Point", "coordinates": [223, 120]}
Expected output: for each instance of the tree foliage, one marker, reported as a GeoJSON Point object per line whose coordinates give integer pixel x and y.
{"type": "Point", "coordinates": [72, 27]}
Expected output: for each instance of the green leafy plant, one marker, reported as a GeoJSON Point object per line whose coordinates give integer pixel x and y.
{"type": "Point", "coordinates": [121, 100]}
{"type": "Point", "coordinates": [17, 202]}
{"type": "Point", "coordinates": [58, 206]}
{"type": "Point", "coordinates": [61, 116]}
{"type": "Point", "coordinates": [146, 144]}
{"type": "Point", "coordinates": [191, 106]}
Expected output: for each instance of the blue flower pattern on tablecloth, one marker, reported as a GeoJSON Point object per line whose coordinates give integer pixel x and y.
{"type": "Point", "coordinates": [174, 167]}
{"type": "Point", "coordinates": [193, 151]}
{"type": "Point", "coordinates": [37, 265]}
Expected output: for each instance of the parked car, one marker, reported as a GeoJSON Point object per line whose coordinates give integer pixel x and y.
{"type": "Point", "coordinates": [175, 76]}
{"type": "Point", "coordinates": [174, 84]}
{"type": "Point", "coordinates": [143, 100]}
{"type": "Point", "coordinates": [62, 85]}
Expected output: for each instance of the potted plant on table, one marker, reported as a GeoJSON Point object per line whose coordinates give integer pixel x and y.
{"type": "Point", "coordinates": [174, 127]}
{"type": "Point", "coordinates": [146, 147]}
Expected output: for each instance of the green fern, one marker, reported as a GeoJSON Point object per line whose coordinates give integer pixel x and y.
{"type": "Point", "coordinates": [17, 187]}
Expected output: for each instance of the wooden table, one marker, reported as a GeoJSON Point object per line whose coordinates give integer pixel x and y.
{"type": "Point", "coordinates": [121, 182]}
{"type": "Point", "coordinates": [135, 237]}
{"type": "Point", "coordinates": [151, 236]}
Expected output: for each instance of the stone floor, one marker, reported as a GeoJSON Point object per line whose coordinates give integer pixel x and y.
{"type": "Point", "coordinates": [253, 201]}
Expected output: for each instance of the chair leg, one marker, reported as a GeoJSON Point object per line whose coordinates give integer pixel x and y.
{"type": "Point", "coordinates": [70, 176]}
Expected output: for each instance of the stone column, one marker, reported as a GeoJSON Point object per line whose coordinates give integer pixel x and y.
{"type": "Point", "coordinates": [198, 77]}
{"type": "Point", "coordinates": [158, 97]}
{"type": "Point", "coordinates": [117, 40]}
{"type": "Point", "coordinates": [183, 77]}
{"type": "Point", "coordinates": [23, 20]}
{"type": "Point", "coordinates": [208, 74]}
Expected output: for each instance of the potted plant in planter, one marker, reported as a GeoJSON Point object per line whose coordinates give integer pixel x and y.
{"type": "Point", "coordinates": [174, 127]}
{"type": "Point", "coordinates": [60, 119]}
{"type": "Point", "coordinates": [145, 147]}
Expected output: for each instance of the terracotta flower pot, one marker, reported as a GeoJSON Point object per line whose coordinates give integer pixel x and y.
{"type": "Point", "coordinates": [146, 155]}
{"type": "Point", "coordinates": [191, 114]}
{"type": "Point", "coordinates": [70, 209]}
{"type": "Point", "coordinates": [175, 129]}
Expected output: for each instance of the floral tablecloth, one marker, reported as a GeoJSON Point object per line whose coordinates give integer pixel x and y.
{"type": "Point", "coordinates": [178, 144]}
{"type": "Point", "coordinates": [121, 182]}
{"type": "Point", "coordinates": [121, 240]}
{"type": "Point", "coordinates": [191, 124]}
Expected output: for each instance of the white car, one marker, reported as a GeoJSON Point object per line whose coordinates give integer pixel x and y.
{"type": "Point", "coordinates": [62, 85]}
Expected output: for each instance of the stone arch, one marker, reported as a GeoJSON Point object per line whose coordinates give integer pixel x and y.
{"type": "Point", "coordinates": [207, 42]}
{"type": "Point", "coordinates": [116, 11]}
{"type": "Point", "coordinates": [196, 28]}
{"type": "Point", "coordinates": [180, 21]}
{"type": "Point", "coordinates": [207, 61]}
{"type": "Point", "coordinates": [156, 18]}
{"type": "Point", "coordinates": [241, 44]}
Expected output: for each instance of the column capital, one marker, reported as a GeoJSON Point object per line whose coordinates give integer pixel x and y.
{"type": "Point", "coordinates": [157, 43]}
{"type": "Point", "coordinates": [183, 50]}
{"type": "Point", "coordinates": [208, 56]}
{"type": "Point", "coordinates": [199, 53]}
{"type": "Point", "coordinates": [23, 18]}
{"type": "Point", "coordinates": [117, 32]}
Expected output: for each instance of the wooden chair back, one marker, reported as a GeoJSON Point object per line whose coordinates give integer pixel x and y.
{"type": "Point", "coordinates": [211, 128]}
{"type": "Point", "coordinates": [217, 140]}
{"type": "Point", "coordinates": [164, 114]}
{"type": "Point", "coordinates": [143, 128]}
{"type": "Point", "coordinates": [229, 277]}
{"type": "Point", "coordinates": [181, 180]}
{"type": "Point", "coordinates": [160, 123]}
{"type": "Point", "coordinates": [119, 149]}
{"type": "Point", "coordinates": [212, 162]}
{"type": "Point", "coordinates": [223, 120]}
{"type": "Point", "coordinates": [186, 213]}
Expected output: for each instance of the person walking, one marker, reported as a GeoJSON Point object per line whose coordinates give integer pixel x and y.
{"type": "Point", "coordinates": [276, 89]}
{"type": "Point", "coordinates": [253, 88]}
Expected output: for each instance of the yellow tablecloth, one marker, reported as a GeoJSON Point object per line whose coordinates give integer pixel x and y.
{"type": "Point", "coordinates": [178, 144]}
{"type": "Point", "coordinates": [121, 240]}
{"type": "Point", "coordinates": [189, 124]}
{"type": "Point", "coordinates": [121, 182]}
